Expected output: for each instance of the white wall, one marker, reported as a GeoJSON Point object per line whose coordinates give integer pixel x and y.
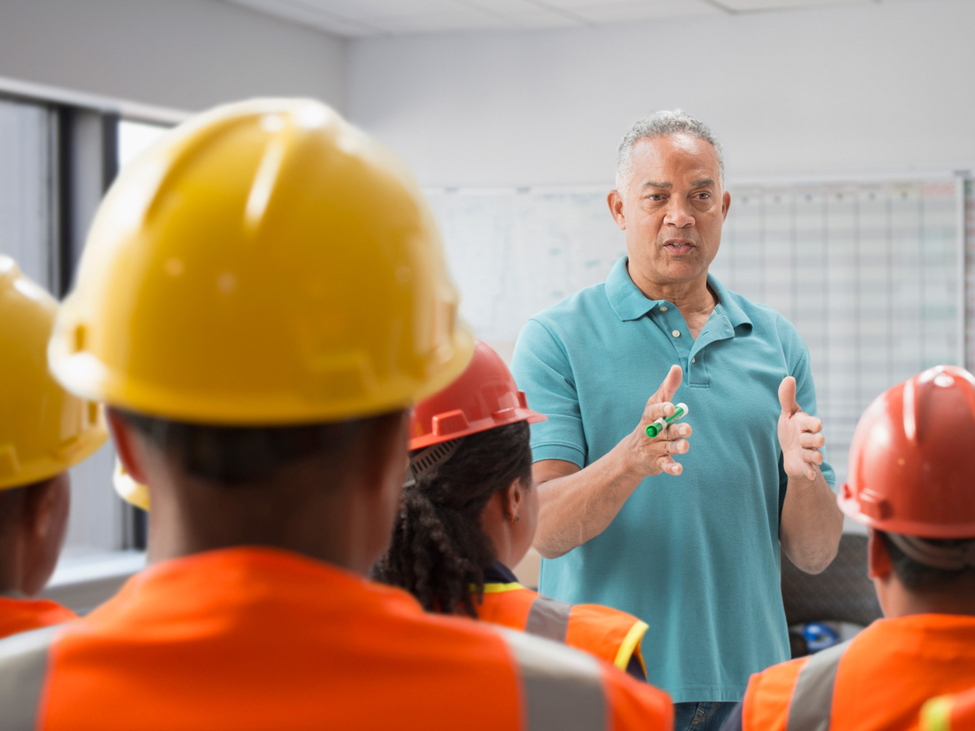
{"type": "Point", "coordinates": [864, 88]}
{"type": "Point", "coordinates": [182, 54]}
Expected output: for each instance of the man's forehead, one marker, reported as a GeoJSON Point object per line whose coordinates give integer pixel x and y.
{"type": "Point", "coordinates": [676, 154]}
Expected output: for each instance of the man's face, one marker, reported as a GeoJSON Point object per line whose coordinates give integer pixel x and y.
{"type": "Point", "coordinates": [672, 211]}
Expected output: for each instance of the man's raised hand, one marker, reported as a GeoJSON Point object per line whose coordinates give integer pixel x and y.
{"type": "Point", "coordinates": [800, 435]}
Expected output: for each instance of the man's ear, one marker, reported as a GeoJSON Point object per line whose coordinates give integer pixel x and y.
{"type": "Point", "coordinates": [725, 204]}
{"type": "Point", "coordinates": [615, 202]}
{"type": "Point", "coordinates": [126, 445]}
{"type": "Point", "coordinates": [878, 560]}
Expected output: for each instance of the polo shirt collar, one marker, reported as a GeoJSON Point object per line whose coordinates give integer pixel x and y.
{"type": "Point", "coordinates": [629, 303]}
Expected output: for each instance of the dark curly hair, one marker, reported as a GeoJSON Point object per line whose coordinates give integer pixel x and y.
{"type": "Point", "coordinates": [439, 551]}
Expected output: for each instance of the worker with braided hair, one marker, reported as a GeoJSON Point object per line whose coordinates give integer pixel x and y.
{"type": "Point", "coordinates": [469, 511]}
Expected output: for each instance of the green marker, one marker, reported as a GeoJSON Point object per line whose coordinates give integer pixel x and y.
{"type": "Point", "coordinates": [660, 424]}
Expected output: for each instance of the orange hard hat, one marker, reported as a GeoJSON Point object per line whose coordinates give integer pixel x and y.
{"type": "Point", "coordinates": [483, 397]}
{"type": "Point", "coordinates": [912, 459]}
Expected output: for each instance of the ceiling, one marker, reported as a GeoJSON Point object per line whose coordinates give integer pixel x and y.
{"type": "Point", "coordinates": [364, 18]}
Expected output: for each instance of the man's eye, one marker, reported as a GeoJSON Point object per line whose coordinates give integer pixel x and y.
{"type": "Point", "coordinates": [703, 196]}
{"type": "Point", "coordinates": [655, 197]}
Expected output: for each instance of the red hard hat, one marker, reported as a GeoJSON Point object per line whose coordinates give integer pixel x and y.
{"type": "Point", "coordinates": [912, 460]}
{"type": "Point", "coordinates": [483, 397]}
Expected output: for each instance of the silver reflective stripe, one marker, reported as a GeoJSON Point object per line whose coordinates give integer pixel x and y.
{"type": "Point", "coordinates": [549, 618]}
{"type": "Point", "coordinates": [562, 688]}
{"type": "Point", "coordinates": [23, 668]}
{"type": "Point", "coordinates": [812, 700]}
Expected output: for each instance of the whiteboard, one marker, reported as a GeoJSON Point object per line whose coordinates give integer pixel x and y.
{"type": "Point", "coordinates": [870, 272]}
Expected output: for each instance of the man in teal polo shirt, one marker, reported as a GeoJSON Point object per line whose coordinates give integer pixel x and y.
{"type": "Point", "coordinates": [696, 557]}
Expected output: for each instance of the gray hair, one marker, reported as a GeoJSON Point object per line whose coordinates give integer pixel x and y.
{"type": "Point", "coordinates": [662, 124]}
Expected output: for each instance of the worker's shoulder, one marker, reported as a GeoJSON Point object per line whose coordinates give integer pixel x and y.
{"type": "Point", "coordinates": [779, 679]}
{"type": "Point", "coordinates": [580, 685]}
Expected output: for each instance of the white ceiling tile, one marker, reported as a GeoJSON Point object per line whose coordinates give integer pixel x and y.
{"type": "Point", "coordinates": [456, 19]}
{"type": "Point", "coordinates": [371, 10]}
{"type": "Point", "coordinates": [299, 12]}
{"type": "Point", "coordinates": [522, 14]}
{"type": "Point", "coordinates": [757, 5]}
{"type": "Point", "coordinates": [675, 7]}
{"type": "Point", "coordinates": [359, 18]}
{"type": "Point", "coordinates": [633, 11]}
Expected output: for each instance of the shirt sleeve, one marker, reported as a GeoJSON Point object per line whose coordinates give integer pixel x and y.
{"type": "Point", "coordinates": [542, 370]}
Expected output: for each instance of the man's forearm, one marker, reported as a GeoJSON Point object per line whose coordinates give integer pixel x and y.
{"type": "Point", "coordinates": [576, 507]}
{"type": "Point", "coordinates": [811, 524]}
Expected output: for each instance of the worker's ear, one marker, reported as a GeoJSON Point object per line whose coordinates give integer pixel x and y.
{"type": "Point", "coordinates": [513, 500]}
{"type": "Point", "coordinates": [127, 446]}
{"type": "Point", "coordinates": [878, 560]}
{"type": "Point", "coordinates": [46, 509]}
{"type": "Point", "coordinates": [48, 503]}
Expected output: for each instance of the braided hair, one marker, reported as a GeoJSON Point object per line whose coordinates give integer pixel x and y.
{"type": "Point", "coordinates": [439, 551]}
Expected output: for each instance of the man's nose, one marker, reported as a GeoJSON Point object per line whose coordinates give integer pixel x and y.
{"type": "Point", "coordinates": [679, 213]}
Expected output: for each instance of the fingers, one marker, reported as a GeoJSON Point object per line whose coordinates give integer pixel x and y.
{"type": "Point", "coordinates": [808, 440]}
{"type": "Point", "coordinates": [659, 406]}
{"type": "Point", "coordinates": [670, 443]}
{"type": "Point", "coordinates": [670, 467]}
{"type": "Point", "coordinates": [807, 423]}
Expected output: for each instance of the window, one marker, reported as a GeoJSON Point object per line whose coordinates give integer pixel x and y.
{"type": "Point", "coordinates": [26, 199]}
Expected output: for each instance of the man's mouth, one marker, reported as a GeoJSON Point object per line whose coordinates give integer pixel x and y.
{"type": "Point", "coordinates": [679, 246]}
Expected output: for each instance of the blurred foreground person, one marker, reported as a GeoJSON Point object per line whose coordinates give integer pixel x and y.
{"type": "Point", "coordinates": [470, 511]}
{"type": "Point", "coordinates": [261, 300]}
{"type": "Point", "coordinates": [910, 481]}
{"type": "Point", "coordinates": [43, 431]}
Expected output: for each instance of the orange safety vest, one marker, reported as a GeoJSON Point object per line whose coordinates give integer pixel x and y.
{"type": "Point", "coordinates": [607, 633]}
{"type": "Point", "coordinates": [22, 615]}
{"type": "Point", "coordinates": [950, 713]}
{"type": "Point", "coordinates": [254, 638]}
{"type": "Point", "coordinates": [878, 680]}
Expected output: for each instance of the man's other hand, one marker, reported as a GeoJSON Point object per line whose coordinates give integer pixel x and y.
{"type": "Point", "coordinates": [800, 435]}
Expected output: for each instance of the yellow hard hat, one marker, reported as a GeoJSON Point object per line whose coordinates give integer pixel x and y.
{"type": "Point", "coordinates": [43, 429]}
{"type": "Point", "coordinates": [265, 263]}
{"type": "Point", "coordinates": [127, 488]}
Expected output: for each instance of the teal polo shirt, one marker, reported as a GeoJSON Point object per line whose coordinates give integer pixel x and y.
{"type": "Point", "coordinates": [695, 556]}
